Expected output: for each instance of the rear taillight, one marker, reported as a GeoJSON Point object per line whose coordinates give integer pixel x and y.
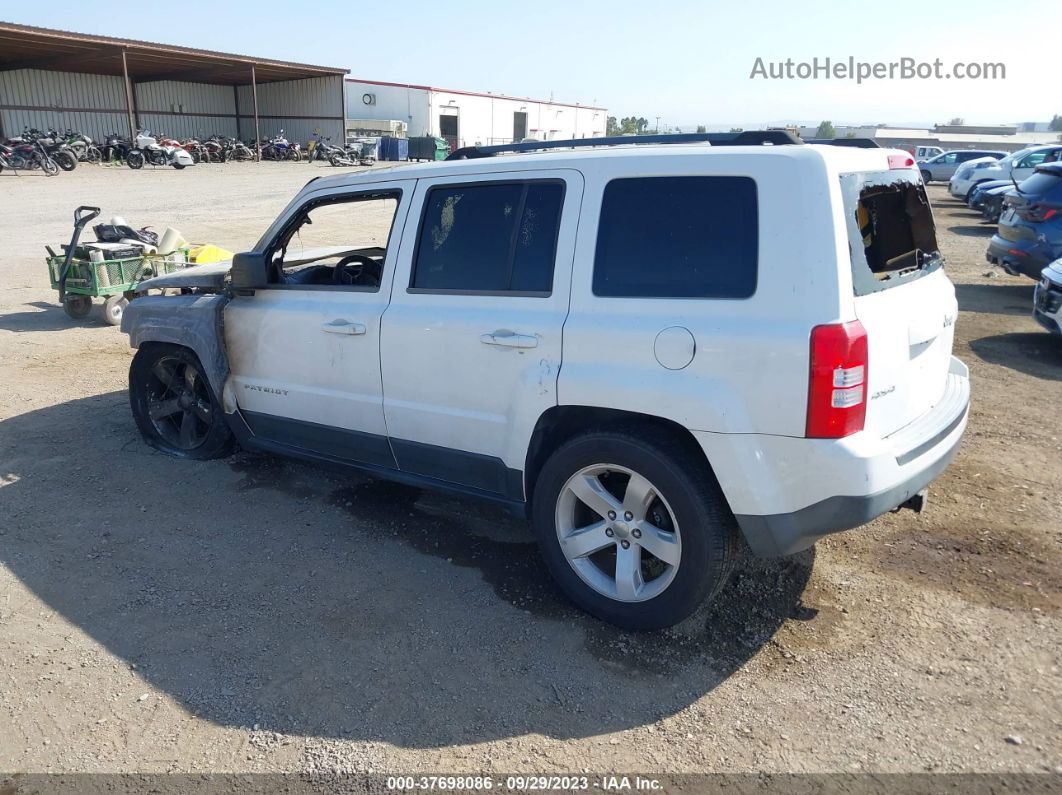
{"type": "Point", "coordinates": [1037, 213]}
{"type": "Point", "coordinates": [901, 161]}
{"type": "Point", "coordinates": [837, 379]}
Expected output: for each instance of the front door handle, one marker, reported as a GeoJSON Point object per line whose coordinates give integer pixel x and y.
{"type": "Point", "coordinates": [509, 339]}
{"type": "Point", "coordinates": [343, 327]}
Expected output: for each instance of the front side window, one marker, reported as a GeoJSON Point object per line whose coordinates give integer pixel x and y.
{"type": "Point", "coordinates": [335, 241]}
{"type": "Point", "coordinates": [677, 237]}
{"type": "Point", "coordinates": [1033, 160]}
{"type": "Point", "coordinates": [489, 237]}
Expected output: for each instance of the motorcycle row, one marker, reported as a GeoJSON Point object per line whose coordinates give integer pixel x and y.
{"type": "Point", "coordinates": [51, 151]}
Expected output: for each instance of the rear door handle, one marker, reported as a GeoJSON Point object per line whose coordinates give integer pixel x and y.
{"type": "Point", "coordinates": [343, 327]}
{"type": "Point", "coordinates": [509, 339]}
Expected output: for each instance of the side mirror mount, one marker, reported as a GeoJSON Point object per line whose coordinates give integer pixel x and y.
{"type": "Point", "coordinates": [248, 273]}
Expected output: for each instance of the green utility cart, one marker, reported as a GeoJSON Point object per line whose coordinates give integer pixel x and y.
{"type": "Point", "coordinates": [79, 279]}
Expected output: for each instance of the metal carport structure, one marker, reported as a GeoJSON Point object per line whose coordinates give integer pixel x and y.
{"type": "Point", "coordinates": [94, 80]}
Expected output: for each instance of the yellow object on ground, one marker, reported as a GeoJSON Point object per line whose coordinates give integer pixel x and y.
{"type": "Point", "coordinates": [208, 254]}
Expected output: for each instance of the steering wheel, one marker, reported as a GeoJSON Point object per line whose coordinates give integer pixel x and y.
{"type": "Point", "coordinates": [339, 272]}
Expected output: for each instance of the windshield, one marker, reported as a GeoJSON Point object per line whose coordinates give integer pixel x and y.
{"type": "Point", "coordinates": [1014, 155]}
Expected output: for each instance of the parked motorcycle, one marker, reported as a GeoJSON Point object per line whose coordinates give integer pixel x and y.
{"type": "Point", "coordinates": [147, 149]}
{"type": "Point", "coordinates": [62, 154]}
{"type": "Point", "coordinates": [115, 147]}
{"type": "Point", "coordinates": [321, 148]}
{"type": "Point", "coordinates": [82, 146]}
{"type": "Point", "coordinates": [348, 156]}
{"type": "Point", "coordinates": [279, 148]}
{"type": "Point", "coordinates": [18, 154]}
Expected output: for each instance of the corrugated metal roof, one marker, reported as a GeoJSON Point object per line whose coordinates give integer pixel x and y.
{"type": "Point", "coordinates": [28, 47]}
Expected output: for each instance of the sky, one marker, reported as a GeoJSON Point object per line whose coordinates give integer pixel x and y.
{"type": "Point", "coordinates": [686, 62]}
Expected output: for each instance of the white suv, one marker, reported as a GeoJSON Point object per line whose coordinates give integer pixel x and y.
{"type": "Point", "coordinates": [653, 350]}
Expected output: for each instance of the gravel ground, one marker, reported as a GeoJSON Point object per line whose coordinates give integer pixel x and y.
{"type": "Point", "coordinates": [256, 615]}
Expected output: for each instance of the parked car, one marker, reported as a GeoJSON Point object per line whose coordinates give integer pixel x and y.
{"type": "Point", "coordinates": [1021, 164]}
{"type": "Point", "coordinates": [980, 190]}
{"type": "Point", "coordinates": [1030, 229]}
{"type": "Point", "coordinates": [968, 176]}
{"type": "Point", "coordinates": [727, 367]}
{"type": "Point", "coordinates": [994, 201]}
{"type": "Point", "coordinates": [926, 152]}
{"type": "Point", "coordinates": [1047, 298]}
{"type": "Point", "coordinates": [941, 167]}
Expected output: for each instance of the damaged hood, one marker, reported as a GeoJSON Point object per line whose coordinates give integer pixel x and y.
{"type": "Point", "coordinates": [198, 276]}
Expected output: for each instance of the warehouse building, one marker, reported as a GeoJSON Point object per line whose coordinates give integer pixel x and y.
{"type": "Point", "coordinates": [464, 118]}
{"type": "Point", "coordinates": [99, 84]}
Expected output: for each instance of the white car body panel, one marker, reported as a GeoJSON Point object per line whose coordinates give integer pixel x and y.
{"type": "Point", "coordinates": [425, 374]}
{"type": "Point", "coordinates": [447, 387]}
{"type": "Point", "coordinates": [284, 356]}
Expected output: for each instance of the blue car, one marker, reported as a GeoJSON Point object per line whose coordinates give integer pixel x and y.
{"type": "Point", "coordinates": [993, 201]}
{"type": "Point", "coordinates": [979, 191]}
{"type": "Point", "coordinates": [1030, 228]}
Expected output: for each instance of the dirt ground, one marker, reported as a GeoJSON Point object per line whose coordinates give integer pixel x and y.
{"type": "Point", "coordinates": [257, 615]}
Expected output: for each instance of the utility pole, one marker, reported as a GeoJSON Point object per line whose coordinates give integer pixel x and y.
{"type": "Point", "coordinates": [657, 125]}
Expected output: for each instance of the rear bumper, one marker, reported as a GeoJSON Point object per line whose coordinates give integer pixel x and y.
{"type": "Point", "coordinates": [788, 492]}
{"type": "Point", "coordinates": [1019, 257]}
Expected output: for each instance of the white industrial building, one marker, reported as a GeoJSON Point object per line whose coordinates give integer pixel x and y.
{"type": "Point", "coordinates": [464, 118]}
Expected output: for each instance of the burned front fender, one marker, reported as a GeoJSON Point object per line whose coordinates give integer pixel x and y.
{"type": "Point", "coordinates": [195, 322]}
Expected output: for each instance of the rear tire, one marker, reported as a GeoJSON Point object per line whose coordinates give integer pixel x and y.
{"type": "Point", "coordinates": [174, 407]}
{"type": "Point", "coordinates": [678, 510]}
{"type": "Point", "coordinates": [77, 307]}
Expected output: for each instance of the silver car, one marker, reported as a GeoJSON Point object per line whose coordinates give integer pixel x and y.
{"type": "Point", "coordinates": [942, 167]}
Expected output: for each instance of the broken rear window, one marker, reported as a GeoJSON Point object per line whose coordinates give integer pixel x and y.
{"type": "Point", "coordinates": [891, 234]}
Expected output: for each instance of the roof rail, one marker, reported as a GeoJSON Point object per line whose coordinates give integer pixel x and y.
{"type": "Point", "coordinates": [746, 138]}
{"type": "Point", "coordinates": [857, 143]}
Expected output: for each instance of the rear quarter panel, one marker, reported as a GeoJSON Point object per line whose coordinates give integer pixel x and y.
{"type": "Point", "coordinates": [749, 369]}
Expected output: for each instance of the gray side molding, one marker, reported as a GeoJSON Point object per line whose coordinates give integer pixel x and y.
{"type": "Point", "coordinates": [194, 321]}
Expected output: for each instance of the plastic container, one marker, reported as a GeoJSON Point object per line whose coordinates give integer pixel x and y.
{"type": "Point", "coordinates": [394, 148]}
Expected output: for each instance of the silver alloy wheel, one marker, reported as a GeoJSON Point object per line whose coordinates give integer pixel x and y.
{"type": "Point", "coordinates": [625, 547]}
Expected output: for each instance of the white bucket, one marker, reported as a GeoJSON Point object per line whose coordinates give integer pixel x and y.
{"type": "Point", "coordinates": [171, 240]}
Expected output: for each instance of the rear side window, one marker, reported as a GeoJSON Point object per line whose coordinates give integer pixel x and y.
{"type": "Point", "coordinates": [677, 237]}
{"type": "Point", "coordinates": [891, 234]}
{"type": "Point", "coordinates": [489, 237]}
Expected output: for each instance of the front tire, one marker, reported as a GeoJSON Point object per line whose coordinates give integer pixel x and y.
{"type": "Point", "coordinates": [66, 160]}
{"type": "Point", "coordinates": [135, 159]}
{"type": "Point", "coordinates": [174, 407]}
{"type": "Point", "coordinates": [926, 177]}
{"type": "Point", "coordinates": [633, 527]}
{"type": "Point", "coordinates": [114, 308]}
